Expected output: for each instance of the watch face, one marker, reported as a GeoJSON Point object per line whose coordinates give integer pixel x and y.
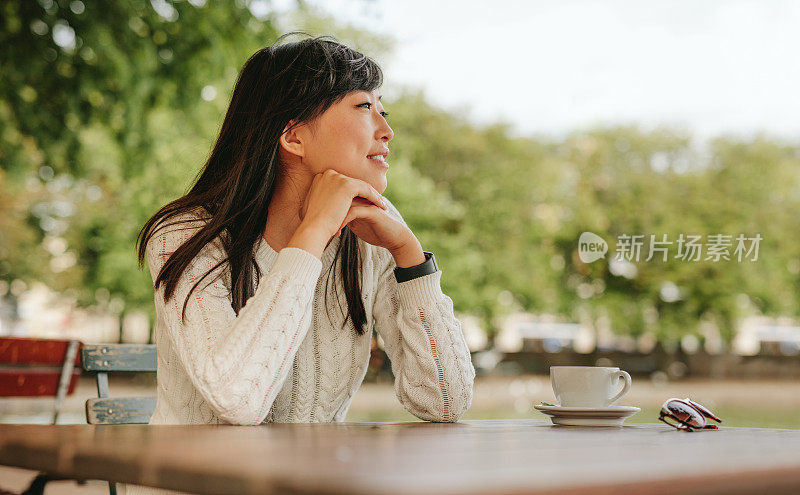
{"type": "Point", "coordinates": [433, 261]}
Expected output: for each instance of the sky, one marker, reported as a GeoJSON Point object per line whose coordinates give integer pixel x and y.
{"type": "Point", "coordinates": [552, 67]}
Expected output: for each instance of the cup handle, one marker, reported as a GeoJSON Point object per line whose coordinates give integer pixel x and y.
{"type": "Point", "coordinates": [624, 375]}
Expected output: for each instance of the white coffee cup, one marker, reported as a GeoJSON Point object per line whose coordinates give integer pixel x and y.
{"type": "Point", "coordinates": [588, 386]}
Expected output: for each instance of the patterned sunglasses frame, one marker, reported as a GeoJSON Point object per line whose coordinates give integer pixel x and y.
{"type": "Point", "coordinates": [687, 415]}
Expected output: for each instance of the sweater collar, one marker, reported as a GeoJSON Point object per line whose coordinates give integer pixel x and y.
{"type": "Point", "coordinates": [265, 255]}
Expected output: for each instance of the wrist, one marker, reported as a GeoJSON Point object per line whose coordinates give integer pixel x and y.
{"type": "Point", "coordinates": [309, 238]}
{"type": "Point", "coordinates": [409, 254]}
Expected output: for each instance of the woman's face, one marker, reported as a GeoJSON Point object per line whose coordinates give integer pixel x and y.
{"type": "Point", "coordinates": [345, 135]}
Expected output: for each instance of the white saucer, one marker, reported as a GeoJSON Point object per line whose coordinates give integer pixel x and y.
{"type": "Point", "coordinates": [588, 416]}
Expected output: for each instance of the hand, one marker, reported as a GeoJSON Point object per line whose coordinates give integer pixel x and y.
{"type": "Point", "coordinates": [377, 226]}
{"type": "Point", "coordinates": [330, 199]}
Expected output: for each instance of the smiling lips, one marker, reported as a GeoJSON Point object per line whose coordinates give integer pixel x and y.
{"type": "Point", "coordinates": [379, 159]}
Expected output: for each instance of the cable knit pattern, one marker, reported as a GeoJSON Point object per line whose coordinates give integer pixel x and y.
{"type": "Point", "coordinates": [425, 344]}
{"type": "Point", "coordinates": [286, 357]}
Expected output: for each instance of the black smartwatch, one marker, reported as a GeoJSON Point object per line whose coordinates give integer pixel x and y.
{"type": "Point", "coordinates": [412, 272]}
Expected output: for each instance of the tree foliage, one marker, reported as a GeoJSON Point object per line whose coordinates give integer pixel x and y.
{"type": "Point", "coordinates": [108, 111]}
{"type": "Point", "coordinates": [527, 201]}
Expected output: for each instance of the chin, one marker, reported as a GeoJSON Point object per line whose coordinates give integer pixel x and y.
{"type": "Point", "coordinates": [371, 177]}
{"type": "Point", "coordinates": [380, 185]}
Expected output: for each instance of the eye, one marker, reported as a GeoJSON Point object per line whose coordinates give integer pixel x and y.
{"type": "Point", "coordinates": [384, 114]}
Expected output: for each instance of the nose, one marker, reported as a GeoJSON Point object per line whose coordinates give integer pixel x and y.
{"type": "Point", "coordinates": [385, 133]}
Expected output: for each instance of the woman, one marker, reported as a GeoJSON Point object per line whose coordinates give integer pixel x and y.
{"type": "Point", "coordinates": [248, 331]}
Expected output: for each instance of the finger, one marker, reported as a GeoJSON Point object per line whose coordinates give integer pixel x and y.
{"type": "Point", "coordinates": [368, 192]}
{"type": "Point", "coordinates": [359, 201]}
{"type": "Point", "coordinates": [355, 213]}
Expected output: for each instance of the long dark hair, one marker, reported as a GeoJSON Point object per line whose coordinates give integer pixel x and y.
{"type": "Point", "coordinates": [282, 82]}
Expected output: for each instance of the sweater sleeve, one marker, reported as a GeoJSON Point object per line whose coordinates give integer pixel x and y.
{"type": "Point", "coordinates": [432, 367]}
{"type": "Point", "coordinates": [238, 363]}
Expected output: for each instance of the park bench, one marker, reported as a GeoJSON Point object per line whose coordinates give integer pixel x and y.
{"type": "Point", "coordinates": [35, 367]}
{"type": "Point", "coordinates": [104, 358]}
{"type": "Point", "coordinates": [32, 367]}
{"type": "Point", "coordinates": [100, 359]}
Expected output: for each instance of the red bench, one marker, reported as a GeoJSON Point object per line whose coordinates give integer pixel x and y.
{"type": "Point", "coordinates": [31, 367]}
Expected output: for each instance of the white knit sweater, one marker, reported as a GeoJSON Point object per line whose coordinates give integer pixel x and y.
{"type": "Point", "coordinates": [284, 358]}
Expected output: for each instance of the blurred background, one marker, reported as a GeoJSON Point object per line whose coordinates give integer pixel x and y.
{"type": "Point", "coordinates": [517, 128]}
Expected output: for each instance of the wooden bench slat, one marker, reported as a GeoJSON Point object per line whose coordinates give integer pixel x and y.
{"type": "Point", "coordinates": [105, 358]}
{"type": "Point", "coordinates": [44, 352]}
{"type": "Point", "coordinates": [119, 357]}
{"type": "Point", "coordinates": [34, 382]}
{"type": "Point", "coordinates": [115, 411]}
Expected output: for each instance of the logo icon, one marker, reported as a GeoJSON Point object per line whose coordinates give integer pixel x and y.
{"type": "Point", "coordinates": [591, 247]}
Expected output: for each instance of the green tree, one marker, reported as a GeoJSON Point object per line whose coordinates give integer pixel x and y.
{"type": "Point", "coordinates": [105, 115]}
{"type": "Point", "coordinates": [107, 112]}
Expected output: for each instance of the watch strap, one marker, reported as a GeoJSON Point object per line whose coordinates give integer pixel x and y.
{"type": "Point", "coordinates": [416, 271]}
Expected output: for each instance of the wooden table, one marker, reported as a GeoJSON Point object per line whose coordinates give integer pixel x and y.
{"type": "Point", "coordinates": [482, 456]}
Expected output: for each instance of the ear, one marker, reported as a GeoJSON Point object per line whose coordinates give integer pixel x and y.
{"type": "Point", "coordinates": [291, 140]}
